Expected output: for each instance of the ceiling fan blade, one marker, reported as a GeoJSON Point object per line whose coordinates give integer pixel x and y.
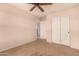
{"type": "Point", "coordinates": [32, 7]}
{"type": "Point", "coordinates": [40, 8]}
{"type": "Point", "coordinates": [45, 3]}
{"type": "Point", "coordinates": [32, 3]}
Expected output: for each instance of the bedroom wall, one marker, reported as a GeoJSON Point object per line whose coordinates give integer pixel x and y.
{"type": "Point", "coordinates": [73, 12]}
{"type": "Point", "coordinates": [17, 27]}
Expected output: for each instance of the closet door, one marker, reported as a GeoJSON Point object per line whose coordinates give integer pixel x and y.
{"type": "Point", "coordinates": [65, 38]}
{"type": "Point", "coordinates": [42, 30]}
{"type": "Point", "coordinates": [56, 29]}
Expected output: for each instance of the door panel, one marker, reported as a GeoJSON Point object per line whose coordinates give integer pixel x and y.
{"type": "Point", "coordinates": [42, 30]}
{"type": "Point", "coordinates": [60, 30]}
{"type": "Point", "coordinates": [65, 30]}
{"type": "Point", "coordinates": [56, 29]}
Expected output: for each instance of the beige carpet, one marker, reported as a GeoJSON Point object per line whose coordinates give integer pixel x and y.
{"type": "Point", "coordinates": [42, 48]}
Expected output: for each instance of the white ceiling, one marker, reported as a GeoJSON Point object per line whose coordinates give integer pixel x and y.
{"type": "Point", "coordinates": [55, 7]}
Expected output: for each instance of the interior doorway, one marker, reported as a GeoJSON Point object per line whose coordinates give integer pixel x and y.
{"type": "Point", "coordinates": [60, 30]}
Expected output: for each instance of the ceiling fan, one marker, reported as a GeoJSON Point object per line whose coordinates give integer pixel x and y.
{"type": "Point", "coordinates": [39, 6]}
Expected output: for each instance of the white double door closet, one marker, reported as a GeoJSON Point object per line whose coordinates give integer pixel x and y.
{"type": "Point", "coordinates": [60, 30]}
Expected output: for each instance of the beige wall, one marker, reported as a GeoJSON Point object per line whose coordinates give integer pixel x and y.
{"type": "Point", "coordinates": [74, 25]}
{"type": "Point", "coordinates": [16, 27]}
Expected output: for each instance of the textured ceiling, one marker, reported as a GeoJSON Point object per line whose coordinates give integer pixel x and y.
{"type": "Point", "coordinates": [48, 9]}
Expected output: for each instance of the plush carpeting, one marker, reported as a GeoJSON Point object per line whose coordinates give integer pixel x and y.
{"type": "Point", "coordinates": [42, 48]}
